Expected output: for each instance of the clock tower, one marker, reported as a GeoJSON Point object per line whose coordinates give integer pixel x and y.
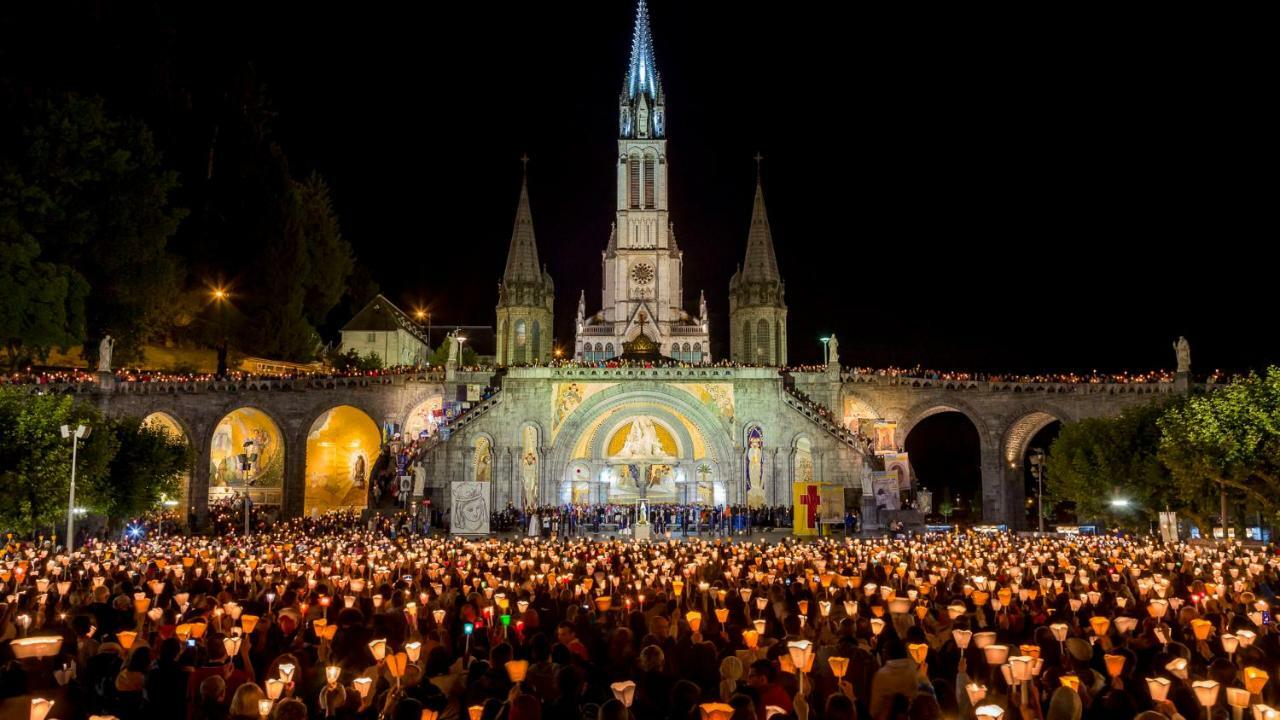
{"type": "Point", "coordinates": [642, 266]}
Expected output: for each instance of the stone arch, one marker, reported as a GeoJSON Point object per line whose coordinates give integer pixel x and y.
{"type": "Point", "coordinates": [713, 430]}
{"type": "Point", "coordinates": [421, 416]}
{"type": "Point", "coordinates": [855, 407]}
{"type": "Point", "coordinates": [802, 465]}
{"type": "Point", "coordinates": [756, 471]}
{"type": "Point", "coordinates": [932, 406]}
{"type": "Point", "coordinates": [177, 427]}
{"type": "Point", "coordinates": [342, 445]}
{"type": "Point", "coordinates": [1024, 426]}
{"type": "Point", "coordinates": [268, 476]}
{"type": "Point", "coordinates": [482, 451]}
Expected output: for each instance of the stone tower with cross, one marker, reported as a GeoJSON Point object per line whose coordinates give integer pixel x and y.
{"type": "Point", "coordinates": [757, 302]}
{"type": "Point", "coordinates": [526, 295]}
{"type": "Point", "coordinates": [642, 267]}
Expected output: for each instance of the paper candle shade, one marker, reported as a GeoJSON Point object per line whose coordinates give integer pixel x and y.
{"type": "Point", "coordinates": [1229, 643]}
{"type": "Point", "coordinates": [517, 669]}
{"type": "Point", "coordinates": [955, 611]}
{"type": "Point", "coordinates": [1255, 679]}
{"type": "Point", "coordinates": [996, 654]}
{"type": "Point", "coordinates": [716, 711]}
{"type": "Point", "coordinates": [751, 639]}
{"type": "Point", "coordinates": [1178, 668]}
{"type": "Point", "coordinates": [36, 647]}
{"type": "Point", "coordinates": [1125, 624]}
{"type": "Point", "coordinates": [439, 616]}
{"type": "Point", "coordinates": [1237, 697]}
{"type": "Point", "coordinates": [1100, 625]}
{"type": "Point", "coordinates": [604, 602]}
{"type": "Point", "coordinates": [127, 638]}
{"type": "Point", "coordinates": [983, 639]}
{"type": "Point", "coordinates": [900, 606]}
{"type": "Point", "coordinates": [1020, 667]}
{"type": "Point", "coordinates": [429, 714]}
{"type": "Point", "coordinates": [977, 693]}
{"type": "Point", "coordinates": [378, 648]}
{"type": "Point", "coordinates": [413, 650]}
{"type": "Point", "coordinates": [1157, 608]}
{"type": "Point", "coordinates": [1201, 628]}
{"type": "Point", "coordinates": [475, 712]}
{"type": "Point", "coordinates": [760, 625]}
{"type": "Point", "coordinates": [695, 619]}
{"type": "Point", "coordinates": [918, 652]}
{"type": "Point", "coordinates": [332, 673]}
{"type": "Point", "coordinates": [804, 606]}
{"type": "Point", "coordinates": [801, 652]}
{"type": "Point", "coordinates": [877, 626]}
{"type": "Point", "coordinates": [1070, 681]}
{"type": "Point", "coordinates": [1032, 651]}
{"type": "Point", "coordinates": [994, 712]}
{"type": "Point", "coordinates": [962, 638]}
{"type": "Point", "coordinates": [397, 663]}
{"type": "Point", "coordinates": [839, 665]}
{"type": "Point", "coordinates": [1158, 687]}
{"type": "Point", "coordinates": [362, 685]}
{"type": "Point", "coordinates": [40, 708]}
{"type": "Point", "coordinates": [624, 691]}
{"type": "Point", "coordinates": [1265, 712]}
{"type": "Point", "coordinates": [1206, 691]}
{"type": "Point", "coordinates": [264, 708]}
{"type": "Point", "coordinates": [1246, 637]}
{"type": "Point", "coordinates": [1115, 664]}
{"type": "Point", "coordinates": [286, 672]}
{"type": "Point", "coordinates": [275, 686]}
{"type": "Point", "coordinates": [248, 622]}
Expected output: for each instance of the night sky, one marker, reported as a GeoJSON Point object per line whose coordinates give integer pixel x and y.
{"type": "Point", "coordinates": [998, 193]}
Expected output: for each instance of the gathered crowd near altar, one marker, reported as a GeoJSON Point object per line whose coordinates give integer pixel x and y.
{"type": "Point", "coordinates": [321, 617]}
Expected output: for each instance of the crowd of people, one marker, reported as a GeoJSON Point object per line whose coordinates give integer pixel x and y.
{"type": "Point", "coordinates": [76, 376]}
{"type": "Point", "coordinates": [323, 617]}
{"type": "Point", "coordinates": [580, 519]}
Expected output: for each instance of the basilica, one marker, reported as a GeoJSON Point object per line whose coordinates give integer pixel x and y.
{"type": "Point", "coordinates": [645, 412]}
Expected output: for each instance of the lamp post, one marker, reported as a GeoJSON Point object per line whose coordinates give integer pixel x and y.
{"type": "Point", "coordinates": [825, 357]}
{"type": "Point", "coordinates": [1037, 464]}
{"type": "Point", "coordinates": [247, 460]}
{"type": "Point", "coordinates": [220, 298]}
{"type": "Point", "coordinates": [80, 433]}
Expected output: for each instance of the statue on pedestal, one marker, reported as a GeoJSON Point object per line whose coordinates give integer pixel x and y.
{"type": "Point", "coordinates": [104, 354]}
{"type": "Point", "coordinates": [1182, 349]}
{"type": "Point", "coordinates": [833, 350]}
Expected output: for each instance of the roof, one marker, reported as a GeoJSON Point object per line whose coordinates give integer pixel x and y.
{"type": "Point", "coordinates": [522, 257]}
{"type": "Point", "coordinates": [760, 263]}
{"type": "Point", "coordinates": [382, 315]}
{"type": "Point", "coordinates": [642, 71]}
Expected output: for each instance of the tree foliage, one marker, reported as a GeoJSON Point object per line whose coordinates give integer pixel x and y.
{"type": "Point", "coordinates": [1228, 438]}
{"type": "Point", "coordinates": [85, 222]}
{"type": "Point", "coordinates": [122, 468]}
{"type": "Point", "coordinates": [1096, 460]}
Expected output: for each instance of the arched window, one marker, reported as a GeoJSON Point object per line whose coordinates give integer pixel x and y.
{"type": "Point", "coordinates": [762, 341]}
{"type": "Point", "coordinates": [697, 352]}
{"type": "Point", "coordinates": [779, 349]}
{"type": "Point", "coordinates": [504, 349]}
{"type": "Point", "coordinates": [535, 351]}
{"type": "Point", "coordinates": [608, 350]}
{"type": "Point", "coordinates": [748, 353]}
{"type": "Point", "coordinates": [675, 351]}
{"type": "Point", "coordinates": [649, 180]}
{"type": "Point", "coordinates": [633, 184]}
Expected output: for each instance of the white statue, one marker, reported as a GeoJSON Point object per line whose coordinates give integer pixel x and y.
{"type": "Point", "coordinates": [104, 354]}
{"type": "Point", "coordinates": [1182, 349]}
{"type": "Point", "coordinates": [642, 440]}
{"type": "Point", "coordinates": [455, 348]}
{"type": "Point", "coordinates": [833, 350]}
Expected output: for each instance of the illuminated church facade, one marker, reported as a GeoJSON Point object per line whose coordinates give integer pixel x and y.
{"type": "Point", "coordinates": [622, 432]}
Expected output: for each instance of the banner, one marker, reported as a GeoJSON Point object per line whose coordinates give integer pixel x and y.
{"type": "Point", "coordinates": [470, 508]}
{"type": "Point", "coordinates": [806, 501]}
{"type": "Point", "coordinates": [473, 393]}
{"type": "Point", "coordinates": [898, 464]}
{"type": "Point", "coordinates": [884, 486]}
{"type": "Point", "coordinates": [1169, 527]}
{"type": "Point", "coordinates": [884, 431]}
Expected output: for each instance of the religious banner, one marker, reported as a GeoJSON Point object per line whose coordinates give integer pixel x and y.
{"type": "Point", "coordinates": [883, 436]}
{"type": "Point", "coordinates": [470, 508]}
{"type": "Point", "coordinates": [885, 488]}
{"type": "Point", "coordinates": [898, 464]}
{"type": "Point", "coordinates": [806, 501]}
{"type": "Point", "coordinates": [473, 393]}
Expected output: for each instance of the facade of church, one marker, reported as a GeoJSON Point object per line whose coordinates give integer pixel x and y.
{"type": "Point", "coordinates": [665, 433]}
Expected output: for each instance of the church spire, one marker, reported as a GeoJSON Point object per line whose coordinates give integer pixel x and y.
{"type": "Point", "coordinates": [760, 264]}
{"type": "Point", "coordinates": [522, 257]}
{"type": "Point", "coordinates": [642, 73]}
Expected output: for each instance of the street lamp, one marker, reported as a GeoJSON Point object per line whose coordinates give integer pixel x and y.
{"type": "Point", "coordinates": [1120, 503]}
{"type": "Point", "coordinates": [220, 296]}
{"type": "Point", "coordinates": [80, 433]}
{"type": "Point", "coordinates": [825, 357]}
{"type": "Point", "coordinates": [1037, 465]}
{"type": "Point", "coordinates": [247, 460]}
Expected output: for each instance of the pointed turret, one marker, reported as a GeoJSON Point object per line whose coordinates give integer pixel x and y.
{"type": "Point", "coordinates": [641, 113]}
{"type": "Point", "coordinates": [522, 256]}
{"type": "Point", "coordinates": [757, 305]}
{"type": "Point", "coordinates": [526, 294]}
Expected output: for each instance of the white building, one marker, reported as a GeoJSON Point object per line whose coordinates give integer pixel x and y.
{"type": "Point", "coordinates": [385, 329]}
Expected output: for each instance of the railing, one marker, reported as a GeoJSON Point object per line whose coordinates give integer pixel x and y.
{"type": "Point", "coordinates": [999, 386]}
{"type": "Point", "coordinates": [172, 387]}
{"type": "Point", "coordinates": [475, 411]}
{"type": "Point", "coordinates": [812, 410]}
